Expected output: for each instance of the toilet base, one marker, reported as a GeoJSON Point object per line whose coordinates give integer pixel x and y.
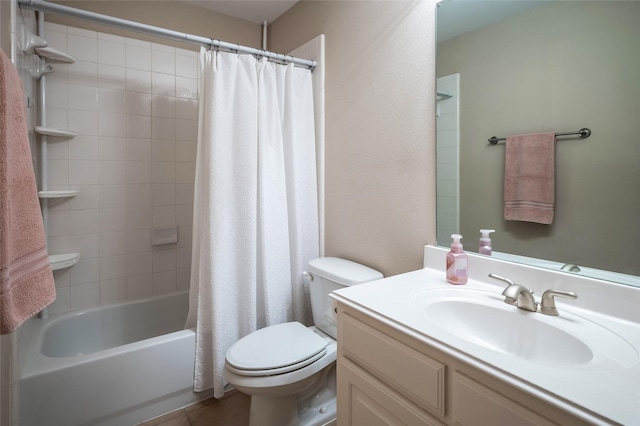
{"type": "Point", "coordinates": [273, 411]}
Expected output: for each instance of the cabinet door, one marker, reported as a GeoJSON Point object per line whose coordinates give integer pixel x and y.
{"type": "Point", "coordinates": [476, 404]}
{"type": "Point", "coordinates": [365, 401]}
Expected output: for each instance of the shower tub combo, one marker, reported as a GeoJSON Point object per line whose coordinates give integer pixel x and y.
{"type": "Point", "coordinates": [110, 366]}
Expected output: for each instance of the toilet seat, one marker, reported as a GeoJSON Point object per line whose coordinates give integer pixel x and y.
{"type": "Point", "coordinates": [276, 349]}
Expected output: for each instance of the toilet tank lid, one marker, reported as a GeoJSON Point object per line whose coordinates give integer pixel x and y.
{"type": "Point", "coordinates": [343, 271]}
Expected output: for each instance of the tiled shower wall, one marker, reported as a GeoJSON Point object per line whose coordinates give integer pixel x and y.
{"type": "Point", "coordinates": [448, 159]}
{"type": "Point", "coordinates": [134, 105]}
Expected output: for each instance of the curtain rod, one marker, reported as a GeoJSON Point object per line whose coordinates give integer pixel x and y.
{"type": "Point", "coordinates": [44, 6]}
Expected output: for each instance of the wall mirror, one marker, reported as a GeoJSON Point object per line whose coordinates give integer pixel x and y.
{"type": "Point", "coordinates": [516, 67]}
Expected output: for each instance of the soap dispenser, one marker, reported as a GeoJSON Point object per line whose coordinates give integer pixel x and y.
{"type": "Point", "coordinates": [485, 241]}
{"type": "Point", "coordinates": [456, 262]}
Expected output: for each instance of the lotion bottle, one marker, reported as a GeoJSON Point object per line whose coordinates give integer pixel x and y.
{"type": "Point", "coordinates": [456, 262]}
{"type": "Point", "coordinates": [485, 241]}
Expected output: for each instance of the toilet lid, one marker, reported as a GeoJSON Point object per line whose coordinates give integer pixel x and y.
{"type": "Point", "coordinates": [282, 347]}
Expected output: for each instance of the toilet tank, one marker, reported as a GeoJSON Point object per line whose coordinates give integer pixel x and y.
{"type": "Point", "coordinates": [329, 274]}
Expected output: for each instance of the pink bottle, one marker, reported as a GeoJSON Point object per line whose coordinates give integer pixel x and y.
{"type": "Point", "coordinates": [457, 262]}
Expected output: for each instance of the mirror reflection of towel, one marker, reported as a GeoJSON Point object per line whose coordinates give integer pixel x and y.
{"type": "Point", "coordinates": [529, 178]}
{"type": "Point", "coordinates": [26, 280]}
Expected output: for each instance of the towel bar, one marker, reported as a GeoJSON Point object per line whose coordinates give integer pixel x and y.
{"type": "Point", "coordinates": [583, 133]}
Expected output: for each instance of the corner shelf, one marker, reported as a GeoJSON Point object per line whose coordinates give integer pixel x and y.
{"type": "Point", "coordinates": [58, 194]}
{"type": "Point", "coordinates": [54, 55]}
{"type": "Point", "coordinates": [51, 131]}
{"type": "Point", "coordinates": [63, 261]}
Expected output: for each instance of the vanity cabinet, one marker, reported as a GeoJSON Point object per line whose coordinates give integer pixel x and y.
{"type": "Point", "coordinates": [390, 377]}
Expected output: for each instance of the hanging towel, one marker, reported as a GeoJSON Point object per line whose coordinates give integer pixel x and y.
{"type": "Point", "coordinates": [26, 280]}
{"type": "Point", "coordinates": [529, 183]}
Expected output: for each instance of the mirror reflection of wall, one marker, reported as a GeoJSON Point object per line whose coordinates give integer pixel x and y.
{"type": "Point", "coordinates": [556, 68]}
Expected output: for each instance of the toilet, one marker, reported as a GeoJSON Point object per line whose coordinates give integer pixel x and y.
{"type": "Point", "coordinates": [289, 369]}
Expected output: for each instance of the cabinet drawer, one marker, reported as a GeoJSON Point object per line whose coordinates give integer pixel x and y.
{"type": "Point", "coordinates": [364, 400]}
{"type": "Point", "coordinates": [476, 404]}
{"type": "Point", "coordinates": [414, 375]}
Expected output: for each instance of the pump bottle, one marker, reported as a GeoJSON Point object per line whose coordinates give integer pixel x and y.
{"type": "Point", "coordinates": [456, 262]}
{"type": "Point", "coordinates": [485, 241]}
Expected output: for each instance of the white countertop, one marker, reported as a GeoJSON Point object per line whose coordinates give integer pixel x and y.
{"type": "Point", "coordinates": [600, 391]}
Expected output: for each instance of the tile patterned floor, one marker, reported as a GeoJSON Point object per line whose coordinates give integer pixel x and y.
{"type": "Point", "coordinates": [232, 410]}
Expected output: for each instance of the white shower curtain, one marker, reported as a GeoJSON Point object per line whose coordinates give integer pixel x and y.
{"type": "Point", "coordinates": [255, 208]}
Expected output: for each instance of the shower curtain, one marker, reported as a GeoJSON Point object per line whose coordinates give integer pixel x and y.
{"type": "Point", "coordinates": [255, 206]}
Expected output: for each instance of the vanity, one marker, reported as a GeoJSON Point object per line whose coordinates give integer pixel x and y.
{"type": "Point", "coordinates": [415, 350]}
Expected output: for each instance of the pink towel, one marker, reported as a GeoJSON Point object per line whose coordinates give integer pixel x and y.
{"type": "Point", "coordinates": [529, 184]}
{"type": "Point", "coordinates": [26, 280]}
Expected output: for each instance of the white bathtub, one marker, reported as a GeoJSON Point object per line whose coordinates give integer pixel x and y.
{"type": "Point", "coordinates": [114, 365]}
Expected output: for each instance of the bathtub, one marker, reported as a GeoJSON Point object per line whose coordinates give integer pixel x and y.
{"type": "Point", "coordinates": [110, 366]}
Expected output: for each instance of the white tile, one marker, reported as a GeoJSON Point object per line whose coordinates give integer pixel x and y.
{"type": "Point", "coordinates": [139, 287]}
{"type": "Point", "coordinates": [113, 196]}
{"type": "Point", "coordinates": [164, 259]}
{"type": "Point", "coordinates": [61, 304]}
{"type": "Point", "coordinates": [83, 73]}
{"type": "Point", "coordinates": [164, 282]}
{"type": "Point", "coordinates": [111, 37]}
{"type": "Point", "coordinates": [58, 244]}
{"type": "Point", "coordinates": [83, 48]}
{"type": "Point", "coordinates": [186, 130]}
{"type": "Point", "coordinates": [61, 278]}
{"type": "Point", "coordinates": [57, 95]}
{"type": "Point", "coordinates": [138, 172]}
{"type": "Point", "coordinates": [85, 271]}
{"type": "Point", "coordinates": [113, 243]}
{"type": "Point", "coordinates": [138, 57]}
{"type": "Point", "coordinates": [163, 128]}
{"type": "Point", "coordinates": [112, 220]}
{"type": "Point", "coordinates": [111, 124]}
{"type": "Point", "coordinates": [183, 279]}
{"type": "Point", "coordinates": [138, 149]}
{"type": "Point", "coordinates": [139, 264]}
{"type": "Point", "coordinates": [184, 193]}
{"type": "Point", "coordinates": [112, 148]}
{"type": "Point", "coordinates": [112, 267]}
{"type": "Point", "coordinates": [84, 296]}
{"type": "Point", "coordinates": [83, 122]}
{"type": "Point", "coordinates": [186, 108]}
{"type": "Point", "coordinates": [138, 195]}
{"type": "Point", "coordinates": [111, 100]}
{"type": "Point", "coordinates": [136, 42]}
{"type": "Point", "coordinates": [163, 194]}
{"type": "Point", "coordinates": [163, 106]}
{"type": "Point", "coordinates": [138, 81]}
{"type": "Point", "coordinates": [83, 172]}
{"type": "Point", "coordinates": [141, 219]}
{"type": "Point", "coordinates": [186, 87]}
{"type": "Point", "coordinates": [185, 236]}
{"type": "Point", "coordinates": [83, 222]}
{"type": "Point", "coordinates": [58, 118]}
{"type": "Point", "coordinates": [75, 31]}
{"type": "Point", "coordinates": [113, 172]}
{"type": "Point", "coordinates": [184, 214]}
{"type": "Point", "coordinates": [186, 66]}
{"type": "Point", "coordinates": [186, 151]}
{"type": "Point", "coordinates": [163, 62]}
{"type": "Point", "coordinates": [58, 150]}
{"type": "Point", "coordinates": [185, 172]}
{"type": "Point", "coordinates": [164, 172]}
{"type": "Point", "coordinates": [86, 199]}
{"type": "Point", "coordinates": [163, 48]}
{"type": "Point", "coordinates": [164, 216]}
{"type": "Point", "coordinates": [138, 127]}
{"type": "Point", "coordinates": [83, 97]}
{"type": "Point", "coordinates": [111, 77]}
{"type": "Point", "coordinates": [83, 147]}
{"type": "Point", "coordinates": [58, 224]}
{"type": "Point", "coordinates": [139, 240]}
{"type": "Point", "coordinates": [137, 103]}
{"type": "Point", "coordinates": [85, 244]}
{"type": "Point", "coordinates": [111, 52]}
{"type": "Point", "coordinates": [163, 84]}
{"type": "Point", "coordinates": [58, 172]}
{"type": "Point", "coordinates": [163, 150]}
{"type": "Point", "coordinates": [183, 258]}
{"type": "Point", "coordinates": [113, 291]}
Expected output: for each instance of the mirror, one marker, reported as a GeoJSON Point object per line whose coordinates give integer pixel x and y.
{"type": "Point", "coordinates": [542, 66]}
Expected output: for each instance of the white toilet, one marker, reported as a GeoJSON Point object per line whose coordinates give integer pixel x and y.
{"type": "Point", "coordinates": [289, 369]}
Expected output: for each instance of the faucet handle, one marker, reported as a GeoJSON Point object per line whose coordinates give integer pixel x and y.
{"type": "Point", "coordinates": [501, 278]}
{"type": "Point", "coordinates": [548, 303]}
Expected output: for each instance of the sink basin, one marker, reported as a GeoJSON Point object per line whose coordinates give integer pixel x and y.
{"type": "Point", "coordinates": [511, 332]}
{"type": "Point", "coordinates": [462, 317]}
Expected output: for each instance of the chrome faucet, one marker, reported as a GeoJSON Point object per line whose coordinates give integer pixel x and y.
{"type": "Point", "coordinates": [517, 295]}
